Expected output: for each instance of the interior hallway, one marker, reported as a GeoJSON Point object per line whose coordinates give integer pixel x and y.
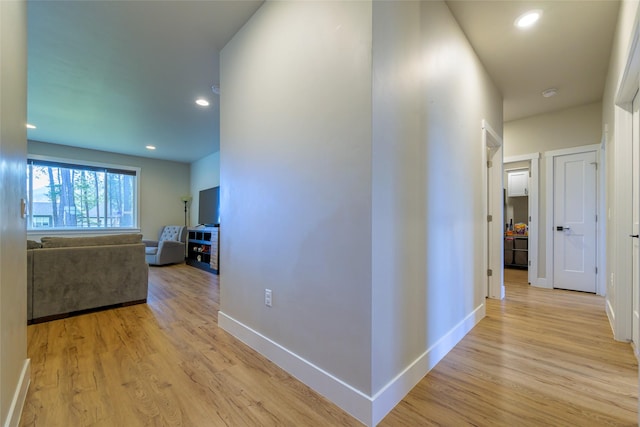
{"type": "Point", "coordinates": [540, 357]}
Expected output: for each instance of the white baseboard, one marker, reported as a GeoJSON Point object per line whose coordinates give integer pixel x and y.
{"type": "Point", "coordinates": [20, 395]}
{"type": "Point", "coordinates": [541, 282]}
{"type": "Point", "coordinates": [611, 315]}
{"type": "Point", "coordinates": [351, 400]}
{"type": "Point", "coordinates": [391, 394]}
{"type": "Point", "coordinates": [368, 410]}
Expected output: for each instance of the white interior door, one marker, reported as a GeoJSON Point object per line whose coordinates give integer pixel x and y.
{"type": "Point", "coordinates": [574, 241]}
{"type": "Point", "coordinates": [494, 209]}
{"type": "Point", "coordinates": [635, 285]}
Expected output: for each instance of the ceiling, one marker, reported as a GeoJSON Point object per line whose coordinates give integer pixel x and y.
{"type": "Point", "coordinates": [568, 49]}
{"type": "Point", "coordinates": [119, 75]}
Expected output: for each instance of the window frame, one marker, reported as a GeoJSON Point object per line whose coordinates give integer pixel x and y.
{"type": "Point", "coordinates": [77, 163]}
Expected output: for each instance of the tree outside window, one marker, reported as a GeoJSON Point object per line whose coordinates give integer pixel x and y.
{"type": "Point", "coordinates": [75, 196]}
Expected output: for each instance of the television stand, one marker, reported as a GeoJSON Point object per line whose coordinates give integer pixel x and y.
{"type": "Point", "coordinates": [202, 251]}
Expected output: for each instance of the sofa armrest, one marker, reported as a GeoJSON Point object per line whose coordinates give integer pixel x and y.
{"type": "Point", "coordinates": [166, 244]}
{"type": "Point", "coordinates": [170, 251]}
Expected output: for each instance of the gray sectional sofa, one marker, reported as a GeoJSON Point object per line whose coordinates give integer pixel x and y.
{"type": "Point", "coordinates": [71, 274]}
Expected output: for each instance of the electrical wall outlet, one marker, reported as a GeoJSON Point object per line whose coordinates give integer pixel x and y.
{"type": "Point", "coordinates": [267, 297]}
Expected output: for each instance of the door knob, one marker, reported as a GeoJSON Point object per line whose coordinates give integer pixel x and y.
{"type": "Point", "coordinates": [634, 235]}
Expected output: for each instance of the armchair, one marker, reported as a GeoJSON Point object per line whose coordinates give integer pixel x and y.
{"type": "Point", "coordinates": [169, 248]}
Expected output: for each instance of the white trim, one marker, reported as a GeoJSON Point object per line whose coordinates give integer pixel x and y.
{"type": "Point", "coordinates": [77, 162]}
{"type": "Point", "coordinates": [622, 226]}
{"type": "Point", "coordinates": [392, 393]}
{"type": "Point", "coordinates": [620, 311]}
{"type": "Point", "coordinates": [517, 168]}
{"type": "Point", "coordinates": [541, 282]}
{"type": "Point", "coordinates": [368, 410]}
{"type": "Point", "coordinates": [493, 242]}
{"type": "Point", "coordinates": [572, 150]}
{"type": "Point", "coordinates": [534, 221]}
{"type": "Point", "coordinates": [549, 220]}
{"type": "Point", "coordinates": [601, 279]}
{"type": "Point", "coordinates": [353, 401]}
{"type": "Point", "coordinates": [550, 188]}
{"type": "Point", "coordinates": [19, 396]}
{"type": "Point", "coordinates": [522, 158]}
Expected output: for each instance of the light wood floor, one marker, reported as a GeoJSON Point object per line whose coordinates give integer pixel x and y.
{"type": "Point", "coordinates": [539, 358]}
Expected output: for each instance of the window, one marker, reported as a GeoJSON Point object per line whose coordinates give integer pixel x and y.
{"type": "Point", "coordinates": [69, 195]}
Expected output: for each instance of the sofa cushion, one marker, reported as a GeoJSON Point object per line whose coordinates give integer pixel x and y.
{"type": "Point", "coordinates": [114, 239]}
{"type": "Point", "coordinates": [151, 250]}
{"type": "Point", "coordinates": [32, 244]}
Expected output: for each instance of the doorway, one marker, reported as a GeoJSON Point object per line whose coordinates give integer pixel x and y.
{"type": "Point", "coordinates": [523, 209]}
{"type": "Point", "coordinates": [516, 215]}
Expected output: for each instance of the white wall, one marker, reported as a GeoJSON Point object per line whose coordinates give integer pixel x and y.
{"type": "Point", "coordinates": [431, 94]}
{"type": "Point", "coordinates": [162, 183]}
{"type": "Point", "coordinates": [332, 170]}
{"type": "Point", "coordinates": [205, 173]}
{"type": "Point", "coordinates": [295, 175]}
{"type": "Point", "coordinates": [619, 173]}
{"type": "Point", "coordinates": [572, 127]}
{"type": "Point", "coordinates": [14, 365]}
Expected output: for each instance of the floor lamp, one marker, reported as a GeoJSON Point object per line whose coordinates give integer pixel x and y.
{"type": "Point", "coordinates": [185, 200]}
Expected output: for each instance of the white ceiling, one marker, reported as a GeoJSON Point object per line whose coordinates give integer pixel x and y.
{"type": "Point", "coordinates": [568, 49]}
{"type": "Point", "coordinates": [119, 75]}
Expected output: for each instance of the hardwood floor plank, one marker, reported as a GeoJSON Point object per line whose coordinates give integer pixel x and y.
{"type": "Point", "coordinates": [541, 357]}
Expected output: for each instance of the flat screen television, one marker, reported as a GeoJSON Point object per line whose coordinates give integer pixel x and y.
{"type": "Point", "coordinates": [209, 206]}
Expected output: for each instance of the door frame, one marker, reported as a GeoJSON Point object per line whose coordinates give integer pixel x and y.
{"type": "Point", "coordinates": [493, 205]}
{"type": "Point", "coordinates": [622, 317]}
{"type": "Point", "coordinates": [534, 214]}
{"type": "Point", "coordinates": [620, 310]}
{"type": "Point", "coordinates": [550, 190]}
{"type": "Point", "coordinates": [635, 258]}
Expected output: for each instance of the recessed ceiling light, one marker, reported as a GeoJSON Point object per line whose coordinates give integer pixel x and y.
{"type": "Point", "coordinates": [150, 147]}
{"type": "Point", "coordinates": [527, 19]}
{"type": "Point", "coordinates": [202, 102]}
{"type": "Point", "coordinates": [30, 126]}
{"type": "Point", "coordinates": [550, 92]}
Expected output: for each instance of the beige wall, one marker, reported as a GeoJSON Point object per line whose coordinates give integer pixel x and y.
{"type": "Point", "coordinates": [295, 169]}
{"type": "Point", "coordinates": [332, 167]}
{"type": "Point", "coordinates": [14, 374]}
{"type": "Point", "coordinates": [568, 128]}
{"type": "Point", "coordinates": [427, 207]}
{"type": "Point", "coordinates": [162, 183]}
